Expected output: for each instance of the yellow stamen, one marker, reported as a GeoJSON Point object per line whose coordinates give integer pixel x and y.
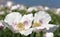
{"type": "Point", "coordinates": [36, 24]}
{"type": "Point", "coordinates": [20, 26]}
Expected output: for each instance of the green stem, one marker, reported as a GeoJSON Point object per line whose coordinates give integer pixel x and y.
{"type": "Point", "coordinates": [38, 34]}
{"type": "Point", "coordinates": [33, 34]}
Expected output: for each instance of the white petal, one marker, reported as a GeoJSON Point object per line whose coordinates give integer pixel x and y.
{"type": "Point", "coordinates": [51, 26]}
{"type": "Point", "coordinates": [15, 7]}
{"type": "Point", "coordinates": [9, 3]}
{"type": "Point", "coordinates": [39, 28]}
{"type": "Point", "coordinates": [13, 17]}
{"type": "Point", "coordinates": [28, 19]}
{"type": "Point", "coordinates": [31, 9]}
{"type": "Point", "coordinates": [46, 8]}
{"type": "Point", "coordinates": [26, 32]}
{"type": "Point", "coordinates": [43, 16]}
{"type": "Point", "coordinates": [48, 34]}
{"type": "Point", "coordinates": [22, 7]}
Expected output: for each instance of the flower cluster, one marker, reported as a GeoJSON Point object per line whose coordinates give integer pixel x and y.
{"type": "Point", "coordinates": [28, 23]}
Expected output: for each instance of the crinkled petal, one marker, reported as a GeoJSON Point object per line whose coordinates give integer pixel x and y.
{"type": "Point", "coordinates": [39, 28]}
{"type": "Point", "coordinates": [42, 16]}
{"type": "Point", "coordinates": [27, 32]}
{"type": "Point", "coordinates": [13, 17]}
{"type": "Point", "coordinates": [27, 20]}
{"type": "Point", "coordinates": [51, 27]}
{"type": "Point", "coordinates": [11, 20]}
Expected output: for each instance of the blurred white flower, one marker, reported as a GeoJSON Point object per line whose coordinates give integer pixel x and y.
{"type": "Point", "coordinates": [46, 8]}
{"type": "Point", "coordinates": [15, 7]}
{"type": "Point", "coordinates": [19, 24]}
{"type": "Point", "coordinates": [41, 21]}
{"type": "Point", "coordinates": [2, 12]}
{"type": "Point", "coordinates": [30, 9]}
{"type": "Point", "coordinates": [48, 34]}
{"type": "Point", "coordinates": [58, 11]}
{"type": "Point", "coordinates": [20, 7]}
{"type": "Point", "coordinates": [40, 8]}
{"type": "Point", "coordinates": [9, 4]}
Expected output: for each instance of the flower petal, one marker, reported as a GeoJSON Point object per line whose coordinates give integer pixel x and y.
{"type": "Point", "coordinates": [40, 28]}
{"type": "Point", "coordinates": [27, 20]}
{"type": "Point", "coordinates": [30, 9]}
{"type": "Point", "coordinates": [42, 16]}
{"type": "Point", "coordinates": [51, 27]}
{"type": "Point", "coordinates": [13, 17]}
{"type": "Point", "coordinates": [48, 34]}
{"type": "Point", "coordinates": [27, 32]}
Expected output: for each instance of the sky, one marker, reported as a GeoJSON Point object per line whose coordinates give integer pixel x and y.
{"type": "Point", "coordinates": [49, 3]}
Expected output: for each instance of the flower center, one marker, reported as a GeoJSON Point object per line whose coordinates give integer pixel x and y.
{"type": "Point", "coordinates": [20, 26]}
{"type": "Point", "coordinates": [25, 22]}
{"type": "Point", "coordinates": [36, 24]}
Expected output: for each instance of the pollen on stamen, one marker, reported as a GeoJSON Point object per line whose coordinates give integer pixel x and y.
{"type": "Point", "coordinates": [36, 24]}
{"type": "Point", "coordinates": [20, 26]}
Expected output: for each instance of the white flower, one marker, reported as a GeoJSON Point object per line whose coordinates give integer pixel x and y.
{"type": "Point", "coordinates": [2, 12]}
{"type": "Point", "coordinates": [46, 8]}
{"type": "Point", "coordinates": [20, 7]}
{"type": "Point", "coordinates": [30, 9]}
{"type": "Point", "coordinates": [20, 24]}
{"type": "Point", "coordinates": [14, 7]}
{"type": "Point", "coordinates": [9, 4]}
{"type": "Point", "coordinates": [40, 8]}
{"type": "Point", "coordinates": [58, 11]}
{"type": "Point", "coordinates": [48, 34]}
{"type": "Point", "coordinates": [41, 21]}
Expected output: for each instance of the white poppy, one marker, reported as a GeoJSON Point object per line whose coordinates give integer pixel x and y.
{"type": "Point", "coordinates": [9, 4]}
{"type": "Point", "coordinates": [41, 21]}
{"type": "Point", "coordinates": [20, 24]}
{"type": "Point", "coordinates": [30, 9]}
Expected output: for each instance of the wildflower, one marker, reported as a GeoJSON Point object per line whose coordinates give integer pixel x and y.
{"type": "Point", "coordinates": [19, 24]}
{"type": "Point", "coordinates": [41, 21]}
{"type": "Point", "coordinates": [30, 9]}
